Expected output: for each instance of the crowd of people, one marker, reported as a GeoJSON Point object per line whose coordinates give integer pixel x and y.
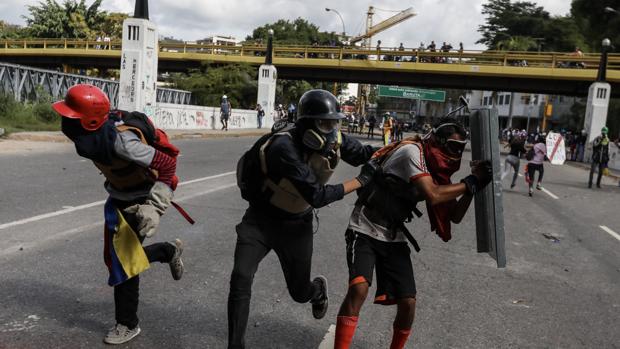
{"type": "Point", "coordinates": [533, 147]}
{"type": "Point", "coordinates": [392, 129]}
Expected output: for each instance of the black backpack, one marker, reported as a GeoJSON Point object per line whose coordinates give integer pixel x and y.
{"type": "Point", "coordinates": [250, 176]}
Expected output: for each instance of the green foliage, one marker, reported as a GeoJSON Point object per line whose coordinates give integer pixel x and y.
{"type": "Point", "coordinates": [297, 32]}
{"type": "Point", "coordinates": [596, 24]}
{"type": "Point", "coordinates": [72, 19]}
{"type": "Point", "coordinates": [15, 116]}
{"type": "Point", "coordinates": [523, 26]}
{"type": "Point", "coordinates": [208, 84]}
{"type": "Point", "coordinates": [11, 31]}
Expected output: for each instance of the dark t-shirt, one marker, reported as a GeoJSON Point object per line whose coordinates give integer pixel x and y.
{"type": "Point", "coordinates": [517, 148]}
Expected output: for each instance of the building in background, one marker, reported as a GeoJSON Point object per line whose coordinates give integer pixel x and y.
{"type": "Point", "coordinates": [526, 109]}
{"type": "Point", "coordinates": [220, 40]}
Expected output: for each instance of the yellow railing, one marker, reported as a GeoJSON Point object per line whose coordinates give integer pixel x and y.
{"type": "Point", "coordinates": [406, 56]}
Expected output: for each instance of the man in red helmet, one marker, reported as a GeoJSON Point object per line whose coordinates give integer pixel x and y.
{"type": "Point", "coordinates": [139, 165]}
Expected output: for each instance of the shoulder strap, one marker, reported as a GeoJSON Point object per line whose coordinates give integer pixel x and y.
{"type": "Point", "coordinates": [137, 131]}
{"type": "Point", "coordinates": [263, 148]}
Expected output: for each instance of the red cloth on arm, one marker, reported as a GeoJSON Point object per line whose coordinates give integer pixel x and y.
{"type": "Point", "coordinates": [166, 167]}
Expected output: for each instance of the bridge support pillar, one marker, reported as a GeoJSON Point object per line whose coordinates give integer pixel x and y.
{"type": "Point", "coordinates": [138, 80]}
{"type": "Point", "coordinates": [267, 82]}
{"type": "Point", "coordinates": [596, 113]}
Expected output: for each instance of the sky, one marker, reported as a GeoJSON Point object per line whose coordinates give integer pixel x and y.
{"type": "Point", "coordinates": [452, 21]}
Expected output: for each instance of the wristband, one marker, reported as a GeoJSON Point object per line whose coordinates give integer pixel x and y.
{"type": "Point", "coordinates": [471, 182]}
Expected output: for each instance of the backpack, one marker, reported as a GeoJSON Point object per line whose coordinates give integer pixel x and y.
{"type": "Point", "coordinates": [250, 176]}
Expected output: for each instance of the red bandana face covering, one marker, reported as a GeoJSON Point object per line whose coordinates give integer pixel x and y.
{"type": "Point", "coordinates": [441, 166]}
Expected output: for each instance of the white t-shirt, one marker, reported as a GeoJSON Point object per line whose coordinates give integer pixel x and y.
{"type": "Point", "coordinates": [406, 163]}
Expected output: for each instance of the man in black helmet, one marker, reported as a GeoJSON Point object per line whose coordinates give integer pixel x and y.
{"type": "Point", "coordinates": [295, 165]}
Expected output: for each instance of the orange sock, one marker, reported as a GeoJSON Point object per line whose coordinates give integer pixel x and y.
{"type": "Point", "coordinates": [400, 338]}
{"type": "Point", "coordinates": [345, 329]}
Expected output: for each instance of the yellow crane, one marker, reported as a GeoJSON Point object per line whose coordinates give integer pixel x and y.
{"type": "Point", "coordinates": [362, 92]}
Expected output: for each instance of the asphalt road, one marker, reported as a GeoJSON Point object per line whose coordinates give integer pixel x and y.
{"type": "Point", "coordinates": [554, 293]}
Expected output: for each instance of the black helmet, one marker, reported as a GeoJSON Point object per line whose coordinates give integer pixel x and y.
{"type": "Point", "coordinates": [319, 105]}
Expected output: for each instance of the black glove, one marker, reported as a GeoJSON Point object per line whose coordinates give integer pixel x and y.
{"type": "Point", "coordinates": [367, 172]}
{"type": "Point", "coordinates": [483, 170]}
{"type": "Point", "coordinates": [482, 174]}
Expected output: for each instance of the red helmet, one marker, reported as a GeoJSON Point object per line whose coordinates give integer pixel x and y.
{"type": "Point", "coordinates": [87, 103]}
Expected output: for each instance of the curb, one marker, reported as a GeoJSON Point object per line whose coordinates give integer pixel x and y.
{"type": "Point", "coordinates": [58, 137]}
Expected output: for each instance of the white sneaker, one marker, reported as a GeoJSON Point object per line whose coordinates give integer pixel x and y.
{"type": "Point", "coordinates": [120, 334]}
{"type": "Point", "coordinates": [176, 264]}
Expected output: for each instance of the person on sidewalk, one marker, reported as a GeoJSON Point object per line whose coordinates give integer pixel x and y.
{"type": "Point", "coordinates": [386, 126]}
{"type": "Point", "coordinates": [538, 156]}
{"type": "Point", "coordinates": [581, 141]}
{"type": "Point", "coordinates": [372, 121]}
{"type": "Point", "coordinates": [139, 165]}
{"type": "Point", "coordinates": [260, 114]}
{"type": "Point", "coordinates": [517, 148]}
{"type": "Point", "coordinates": [225, 111]}
{"type": "Point", "coordinates": [362, 123]}
{"type": "Point", "coordinates": [409, 172]}
{"type": "Point", "coordinates": [600, 156]}
{"type": "Point", "coordinates": [283, 177]}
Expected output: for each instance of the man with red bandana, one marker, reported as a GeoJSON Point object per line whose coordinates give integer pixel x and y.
{"type": "Point", "coordinates": [139, 165]}
{"type": "Point", "coordinates": [411, 171]}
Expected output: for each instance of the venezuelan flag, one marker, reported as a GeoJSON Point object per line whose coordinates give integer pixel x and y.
{"type": "Point", "coordinates": [122, 251]}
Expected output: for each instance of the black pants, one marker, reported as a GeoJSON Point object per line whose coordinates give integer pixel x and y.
{"type": "Point", "coordinates": [371, 131]}
{"type": "Point", "coordinates": [126, 295]}
{"type": "Point", "coordinates": [258, 234]}
{"type": "Point", "coordinates": [531, 171]}
{"type": "Point", "coordinates": [600, 166]}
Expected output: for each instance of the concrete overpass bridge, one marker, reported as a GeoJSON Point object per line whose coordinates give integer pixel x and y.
{"type": "Point", "coordinates": [546, 72]}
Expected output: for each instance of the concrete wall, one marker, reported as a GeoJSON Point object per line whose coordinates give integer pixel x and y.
{"type": "Point", "coordinates": [614, 157]}
{"type": "Point", "coordinates": [192, 117]}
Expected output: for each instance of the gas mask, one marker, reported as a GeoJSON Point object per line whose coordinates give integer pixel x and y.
{"type": "Point", "coordinates": [324, 137]}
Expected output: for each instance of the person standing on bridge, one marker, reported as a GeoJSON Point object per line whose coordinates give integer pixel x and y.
{"type": "Point", "coordinates": [225, 111]}
{"type": "Point", "coordinates": [260, 114]}
{"type": "Point", "coordinates": [409, 172]}
{"type": "Point", "coordinates": [600, 156]}
{"type": "Point", "coordinates": [139, 165]}
{"type": "Point", "coordinates": [283, 177]}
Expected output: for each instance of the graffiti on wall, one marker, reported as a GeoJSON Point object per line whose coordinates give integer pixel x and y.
{"type": "Point", "coordinates": [174, 116]}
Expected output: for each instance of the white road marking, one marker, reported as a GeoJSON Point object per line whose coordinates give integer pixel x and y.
{"type": "Point", "coordinates": [83, 228]}
{"type": "Point", "coordinates": [206, 178]}
{"type": "Point", "coordinates": [329, 338]}
{"type": "Point", "coordinates": [92, 204]}
{"type": "Point", "coordinates": [610, 232]}
{"type": "Point", "coordinates": [550, 193]}
{"type": "Point", "coordinates": [520, 175]}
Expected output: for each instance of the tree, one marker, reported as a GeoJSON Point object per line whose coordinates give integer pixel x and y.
{"type": "Point", "coordinates": [525, 25]}
{"type": "Point", "coordinates": [207, 84]}
{"type": "Point", "coordinates": [297, 32]}
{"type": "Point", "coordinates": [112, 25]}
{"type": "Point", "coordinates": [72, 19]}
{"type": "Point", "coordinates": [595, 24]}
{"type": "Point", "coordinates": [11, 31]}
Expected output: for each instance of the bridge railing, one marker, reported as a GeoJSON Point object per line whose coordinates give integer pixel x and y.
{"type": "Point", "coordinates": [405, 56]}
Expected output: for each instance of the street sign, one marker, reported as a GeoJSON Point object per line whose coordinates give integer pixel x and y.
{"type": "Point", "coordinates": [412, 93]}
{"type": "Point", "coordinates": [556, 151]}
{"type": "Point", "coordinates": [488, 202]}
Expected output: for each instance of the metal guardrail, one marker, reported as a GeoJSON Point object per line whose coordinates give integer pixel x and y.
{"type": "Point", "coordinates": [27, 83]}
{"type": "Point", "coordinates": [552, 60]}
